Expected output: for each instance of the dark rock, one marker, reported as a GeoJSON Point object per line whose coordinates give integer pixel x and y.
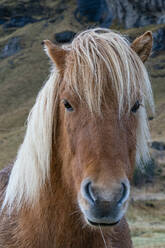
{"type": "Point", "coordinates": [160, 146]}
{"type": "Point", "coordinates": [11, 48]}
{"type": "Point", "coordinates": [4, 12]}
{"type": "Point", "coordinates": [19, 21]}
{"type": "Point", "coordinates": [2, 20]}
{"type": "Point", "coordinates": [90, 8]}
{"type": "Point", "coordinates": [158, 67]}
{"type": "Point", "coordinates": [136, 13]}
{"type": "Point", "coordinates": [53, 20]}
{"type": "Point", "coordinates": [60, 10]}
{"type": "Point", "coordinates": [158, 75]}
{"type": "Point", "coordinates": [161, 20]}
{"type": "Point", "coordinates": [150, 204]}
{"type": "Point", "coordinates": [145, 20]}
{"type": "Point", "coordinates": [144, 175]}
{"type": "Point", "coordinates": [159, 38]}
{"type": "Point", "coordinates": [23, 11]}
{"type": "Point", "coordinates": [64, 37]}
{"type": "Point", "coordinates": [30, 8]}
{"type": "Point", "coordinates": [95, 11]}
{"type": "Point", "coordinates": [57, 19]}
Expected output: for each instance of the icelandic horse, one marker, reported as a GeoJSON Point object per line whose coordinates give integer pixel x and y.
{"type": "Point", "coordinates": [69, 186]}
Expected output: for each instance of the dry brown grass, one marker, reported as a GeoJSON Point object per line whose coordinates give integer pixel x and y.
{"type": "Point", "coordinates": [146, 220]}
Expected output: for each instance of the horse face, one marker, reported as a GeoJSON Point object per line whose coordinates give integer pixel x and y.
{"type": "Point", "coordinates": [98, 157]}
{"type": "Point", "coordinates": [98, 152]}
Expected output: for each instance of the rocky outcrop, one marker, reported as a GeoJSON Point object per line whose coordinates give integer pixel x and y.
{"type": "Point", "coordinates": [160, 146]}
{"type": "Point", "coordinates": [144, 175]}
{"type": "Point", "coordinates": [97, 11]}
{"type": "Point", "coordinates": [64, 37]}
{"type": "Point", "coordinates": [159, 38]}
{"type": "Point", "coordinates": [22, 13]}
{"type": "Point", "coordinates": [137, 13]}
{"type": "Point", "coordinates": [12, 47]}
{"type": "Point", "coordinates": [19, 21]}
{"type": "Point", "coordinates": [128, 13]}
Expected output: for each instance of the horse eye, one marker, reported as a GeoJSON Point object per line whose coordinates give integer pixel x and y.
{"type": "Point", "coordinates": [67, 105]}
{"type": "Point", "coordinates": [135, 107]}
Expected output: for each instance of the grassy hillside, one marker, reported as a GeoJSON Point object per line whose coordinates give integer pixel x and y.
{"type": "Point", "coordinates": [146, 220]}
{"type": "Point", "coordinates": [23, 74]}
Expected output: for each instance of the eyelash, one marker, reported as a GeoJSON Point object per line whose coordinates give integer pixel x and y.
{"type": "Point", "coordinates": [67, 105]}
{"type": "Point", "coordinates": [136, 106]}
{"type": "Point", "coordinates": [69, 108]}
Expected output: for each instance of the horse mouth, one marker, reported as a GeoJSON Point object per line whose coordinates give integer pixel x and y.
{"type": "Point", "coordinates": [102, 224]}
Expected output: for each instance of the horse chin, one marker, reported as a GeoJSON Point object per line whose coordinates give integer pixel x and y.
{"type": "Point", "coordinates": [108, 221]}
{"type": "Point", "coordinates": [100, 224]}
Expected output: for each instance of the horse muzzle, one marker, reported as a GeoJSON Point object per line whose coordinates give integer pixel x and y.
{"type": "Point", "coordinates": [101, 206]}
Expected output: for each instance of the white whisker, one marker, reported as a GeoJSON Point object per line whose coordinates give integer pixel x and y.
{"type": "Point", "coordinates": [103, 237]}
{"type": "Point", "coordinates": [75, 212]}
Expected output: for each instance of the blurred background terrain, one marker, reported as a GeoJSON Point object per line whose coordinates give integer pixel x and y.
{"type": "Point", "coordinates": [24, 67]}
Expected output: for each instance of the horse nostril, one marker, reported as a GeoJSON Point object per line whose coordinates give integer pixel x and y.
{"type": "Point", "coordinates": [87, 191]}
{"type": "Point", "coordinates": [125, 193]}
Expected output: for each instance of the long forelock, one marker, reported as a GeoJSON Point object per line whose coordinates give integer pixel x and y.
{"type": "Point", "coordinates": [100, 59]}
{"type": "Point", "coordinates": [103, 59]}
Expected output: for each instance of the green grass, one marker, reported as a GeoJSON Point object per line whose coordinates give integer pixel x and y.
{"type": "Point", "coordinates": [155, 241]}
{"type": "Point", "coordinates": [147, 223]}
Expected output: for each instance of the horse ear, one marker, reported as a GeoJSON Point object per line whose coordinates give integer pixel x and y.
{"type": "Point", "coordinates": [143, 45]}
{"type": "Point", "coordinates": [55, 53]}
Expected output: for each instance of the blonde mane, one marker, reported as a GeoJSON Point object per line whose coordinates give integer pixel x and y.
{"type": "Point", "coordinates": [94, 52]}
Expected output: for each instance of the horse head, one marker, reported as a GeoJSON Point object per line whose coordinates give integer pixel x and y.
{"type": "Point", "coordinates": [101, 130]}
